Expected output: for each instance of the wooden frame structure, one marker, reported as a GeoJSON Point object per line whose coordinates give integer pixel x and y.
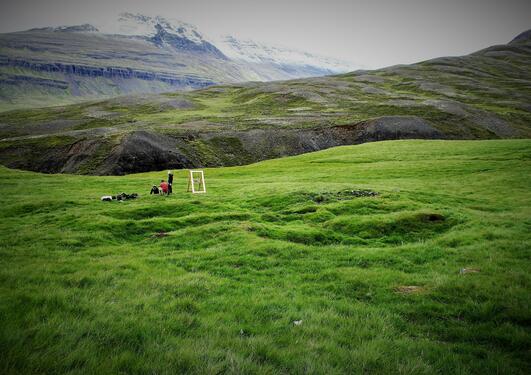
{"type": "Point", "coordinates": [199, 180]}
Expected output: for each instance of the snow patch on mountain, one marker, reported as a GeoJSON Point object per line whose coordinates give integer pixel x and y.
{"type": "Point", "coordinates": [260, 53]}
{"type": "Point", "coordinates": [85, 28]}
{"type": "Point", "coordinates": [184, 36]}
{"type": "Point", "coordinates": [140, 25]}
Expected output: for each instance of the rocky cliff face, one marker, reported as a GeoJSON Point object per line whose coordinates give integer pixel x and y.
{"type": "Point", "coordinates": [163, 37]}
{"type": "Point", "coordinates": [143, 151]}
{"type": "Point", "coordinates": [187, 81]}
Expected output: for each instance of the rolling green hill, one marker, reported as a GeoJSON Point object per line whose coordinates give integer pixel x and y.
{"type": "Point", "coordinates": [483, 95]}
{"type": "Point", "coordinates": [282, 267]}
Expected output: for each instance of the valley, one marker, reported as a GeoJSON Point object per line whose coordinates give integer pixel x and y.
{"type": "Point", "coordinates": [479, 96]}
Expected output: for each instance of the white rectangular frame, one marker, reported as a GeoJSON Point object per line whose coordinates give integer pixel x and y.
{"type": "Point", "coordinates": [201, 182]}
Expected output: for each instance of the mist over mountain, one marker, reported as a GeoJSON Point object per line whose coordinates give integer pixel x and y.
{"type": "Point", "coordinates": [138, 54]}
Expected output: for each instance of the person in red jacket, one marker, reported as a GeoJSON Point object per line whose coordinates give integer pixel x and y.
{"type": "Point", "coordinates": [164, 187]}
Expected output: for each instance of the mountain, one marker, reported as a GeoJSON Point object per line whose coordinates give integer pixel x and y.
{"type": "Point", "coordinates": [290, 60]}
{"type": "Point", "coordinates": [484, 95]}
{"type": "Point", "coordinates": [85, 28]}
{"type": "Point", "coordinates": [135, 55]}
{"type": "Point", "coordinates": [164, 33]}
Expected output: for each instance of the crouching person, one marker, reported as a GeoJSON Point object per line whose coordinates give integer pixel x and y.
{"type": "Point", "coordinates": [164, 187]}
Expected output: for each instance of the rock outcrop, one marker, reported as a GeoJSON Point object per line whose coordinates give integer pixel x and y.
{"type": "Point", "coordinates": [143, 151]}
{"type": "Point", "coordinates": [97, 71]}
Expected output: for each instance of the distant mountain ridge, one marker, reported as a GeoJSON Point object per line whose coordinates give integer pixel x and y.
{"type": "Point", "coordinates": [162, 31]}
{"type": "Point", "coordinates": [228, 45]}
{"type": "Point", "coordinates": [254, 52]}
{"type": "Point", "coordinates": [84, 28]}
{"type": "Point", "coordinates": [137, 54]}
{"type": "Point", "coordinates": [523, 37]}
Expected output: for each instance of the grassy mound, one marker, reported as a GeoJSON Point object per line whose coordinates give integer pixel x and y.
{"type": "Point", "coordinates": [347, 260]}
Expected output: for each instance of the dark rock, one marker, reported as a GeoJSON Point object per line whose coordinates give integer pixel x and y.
{"type": "Point", "coordinates": [524, 37]}
{"type": "Point", "coordinates": [98, 71]}
{"type": "Point", "coordinates": [143, 151]}
{"type": "Point", "coordinates": [397, 127]}
{"type": "Point", "coordinates": [163, 36]}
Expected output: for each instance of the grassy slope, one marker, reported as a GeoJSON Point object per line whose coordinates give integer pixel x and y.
{"type": "Point", "coordinates": [459, 95]}
{"type": "Point", "coordinates": [86, 288]}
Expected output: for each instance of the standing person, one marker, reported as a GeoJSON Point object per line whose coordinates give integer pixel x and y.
{"type": "Point", "coordinates": [170, 182]}
{"type": "Point", "coordinates": [164, 187]}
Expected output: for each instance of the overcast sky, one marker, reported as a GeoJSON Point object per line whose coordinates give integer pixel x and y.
{"type": "Point", "coordinates": [374, 33]}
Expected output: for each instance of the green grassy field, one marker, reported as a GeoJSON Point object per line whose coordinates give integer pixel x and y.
{"type": "Point", "coordinates": [89, 287]}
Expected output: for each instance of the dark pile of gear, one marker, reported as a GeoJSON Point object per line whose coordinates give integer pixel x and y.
{"type": "Point", "coordinates": [119, 197]}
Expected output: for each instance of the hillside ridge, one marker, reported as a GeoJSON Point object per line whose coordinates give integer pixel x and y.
{"type": "Point", "coordinates": [484, 95]}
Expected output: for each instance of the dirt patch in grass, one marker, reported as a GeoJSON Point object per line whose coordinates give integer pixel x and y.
{"type": "Point", "coordinates": [464, 271]}
{"type": "Point", "coordinates": [160, 235]}
{"type": "Point", "coordinates": [409, 289]}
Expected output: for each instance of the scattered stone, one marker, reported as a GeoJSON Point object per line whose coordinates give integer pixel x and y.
{"type": "Point", "coordinates": [449, 106]}
{"type": "Point", "coordinates": [397, 127]}
{"type": "Point", "coordinates": [360, 193]}
{"type": "Point", "coordinates": [297, 322]}
{"type": "Point", "coordinates": [160, 235]}
{"type": "Point", "coordinates": [409, 289]}
{"type": "Point", "coordinates": [436, 88]}
{"type": "Point", "coordinates": [374, 90]}
{"type": "Point", "coordinates": [369, 78]}
{"type": "Point", "coordinates": [404, 103]}
{"type": "Point", "coordinates": [342, 195]}
{"type": "Point", "coordinates": [463, 271]}
{"type": "Point", "coordinates": [299, 109]}
{"type": "Point", "coordinates": [100, 113]}
{"type": "Point", "coordinates": [485, 119]}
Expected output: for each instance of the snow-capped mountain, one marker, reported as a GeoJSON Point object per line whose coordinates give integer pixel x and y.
{"type": "Point", "coordinates": [139, 54]}
{"type": "Point", "coordinates": [163, 32]}
{"type": "Point", "coordinates": [85, 28]}
{"type": "Point", "coordinates": [141, 25]}
{"type": "Point", "coordinates": [260, 53]}
{"type": "Point", "coordinates": [169, 31]}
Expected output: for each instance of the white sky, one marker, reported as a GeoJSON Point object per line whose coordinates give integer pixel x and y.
{"type": "Point", "coordinates": [374, 33]}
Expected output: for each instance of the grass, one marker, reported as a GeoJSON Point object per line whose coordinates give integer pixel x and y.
{"type": "Point", "coordinates": [89, 287]}
{"type": "Point", "coordinates": [474, 89]}
{"type": "Point", "coordinates": [209, 107]}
